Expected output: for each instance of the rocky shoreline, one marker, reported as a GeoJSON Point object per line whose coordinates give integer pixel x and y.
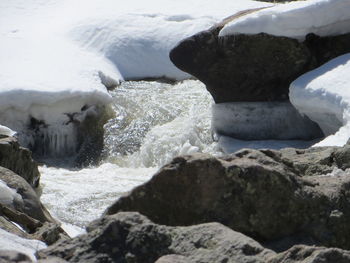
{"type": "Point", "coordinates": [288, 205]}
{"type": "Point", "coordinates": [274, 206]}
{"type": "Point", "coordinates": [270, 206]}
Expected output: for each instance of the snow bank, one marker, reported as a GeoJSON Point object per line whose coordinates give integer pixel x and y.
{"type": "Point", "coordinates": [10, 241]}
{"type": "Point", "coordinates": [58, 57]}
{"type": "Point", "coordinates": [295, 19]}
{"type": "Point", "coordinates": [138, 36]}
{"type": "Point", "coordinates": [324, 96]}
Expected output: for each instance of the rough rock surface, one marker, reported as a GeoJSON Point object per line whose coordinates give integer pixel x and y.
{"type": "Point", "coordinates": [131, 237]}
{"type": "Point", "coordinates": [259, 193]}
{"type": "Point", "coordinates": [306, 254]}
{"type": "Point", "coordinates": [253, 67]}
{"type": "Point", "coordinates": [19, 160]}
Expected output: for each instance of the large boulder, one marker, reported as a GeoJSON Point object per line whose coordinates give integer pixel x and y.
{"type": "Point", "coordinates": [259, 193]}
{"type": "Point", "coordinates": [18, 160]}
{"type": "Point", "coordinates": [131, 237]}
{"type": "Point", "coordinates": [252, 68]}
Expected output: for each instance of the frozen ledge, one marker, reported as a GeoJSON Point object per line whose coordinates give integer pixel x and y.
{"type": "Point", "coordinates": [262, 121]}
{"type": "Point", "coordinates": [70, 128]}
{"type": "Point", "coordinates": [324, 96]}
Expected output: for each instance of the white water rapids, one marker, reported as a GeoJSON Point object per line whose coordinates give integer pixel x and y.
{"type": "Point", "coordinates": [153, 123]}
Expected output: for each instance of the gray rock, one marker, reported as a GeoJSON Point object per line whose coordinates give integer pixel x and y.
{"type": "Point", "coordinates": [131, 237]}
{"type": "Point", "coordinates": [19, 160]}
{"type": "Point", "coordinates": [252, 67]}
{"type": "Point", "coordinates": [306, 254]}
{"type": "Point", "coordinates": [258, 193]}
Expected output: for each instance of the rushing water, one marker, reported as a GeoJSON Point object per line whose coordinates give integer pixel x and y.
{"type": "Point", "coordinates": [153, 123]}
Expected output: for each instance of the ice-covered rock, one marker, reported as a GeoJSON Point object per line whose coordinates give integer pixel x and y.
{"type": "Point", "coordinates": [262, 121]}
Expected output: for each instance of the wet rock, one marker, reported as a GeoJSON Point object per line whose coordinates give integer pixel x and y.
{"type": "Point", "coordinates": [259, 193]}
{"type": "Point", "coordinates": [18, 160]}
{"type": "Point", "coordinates": [252, 67]}
{"type": "Point", "coordinates": [131, 237]}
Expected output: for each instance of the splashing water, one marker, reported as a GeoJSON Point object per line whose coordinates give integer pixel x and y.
{"type": "Point", "coordinates": [154, 123]}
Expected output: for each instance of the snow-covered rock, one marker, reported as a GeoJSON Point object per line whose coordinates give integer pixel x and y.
{"type": "Point", "coordinates": [295, 20]}
{"type": "Point", "coordinates": [324, 96]}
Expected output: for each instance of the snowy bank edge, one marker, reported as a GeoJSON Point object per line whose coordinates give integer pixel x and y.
{"type": "Point", "coordinates": [295, 20]}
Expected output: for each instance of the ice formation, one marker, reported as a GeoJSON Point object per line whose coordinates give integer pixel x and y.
{"type": "Point", "coordinates": [324, 95]}
{"type": "Point", "coordinates": [295, 19]}
{"type": "Point", "coordinates": [262, 121]}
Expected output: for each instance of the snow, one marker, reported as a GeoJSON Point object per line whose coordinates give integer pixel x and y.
{"type": "Point", "coordinates": [295, 19]}
{"type": "Point", "coordinates": [324, 96]}
{"type": "Point", "coordinates": [58, 56]}
{"type": "Point", "coordinates": [6, 131]}
{"type": "Point", "coordinates": [8, 195]}
{"type": "Point", "coordinates": [10, 241]}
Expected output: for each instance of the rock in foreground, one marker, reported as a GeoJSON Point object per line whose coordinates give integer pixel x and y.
{"type": "Point", "coordinates": [259, 193]}
{"type": "Point", "coordinates": [131, 237]}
